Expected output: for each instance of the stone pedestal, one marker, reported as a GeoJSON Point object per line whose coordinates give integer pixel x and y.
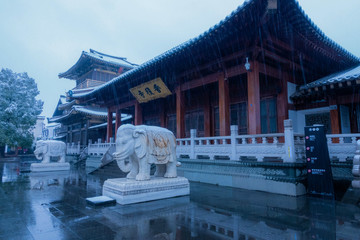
{"type": "Point", "coordinates": [127, 191]}
{"type": "Point", "coordinates": [47, 167]}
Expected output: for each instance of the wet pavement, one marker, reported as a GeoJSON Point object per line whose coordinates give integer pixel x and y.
{"type": "Point", "coordinates": [52, 205]}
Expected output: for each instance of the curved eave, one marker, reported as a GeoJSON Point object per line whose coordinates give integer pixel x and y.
{"type": "Point", "coordinates": [349, 78]}
{"type": "Point", "coordinates": [81, 111]}
{"type": "Point", "coordinates": [66, 105]}
{"type": "Point", "coordinates": [73, 74]}
{"type": "Point", "coordinates": [313, 33]}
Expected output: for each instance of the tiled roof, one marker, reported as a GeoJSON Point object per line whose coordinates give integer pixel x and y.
{"type": "Point", "coordinates": [300, 20]}
{"type": "Point", "coordinates": [66, 105]}
{"type": "Point", "coordinates": [121, 61]}
{"type": "Point", "coordinates": [98, 112]}
{"type": "Point", "coordinates": [351, 74]}
{"type": "Point", "coordinates": [97, 57]}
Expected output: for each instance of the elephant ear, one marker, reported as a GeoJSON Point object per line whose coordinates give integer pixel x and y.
{"type": "Point", "coordinates": [140, 142]}
{"type": "Point", "coordinates": [160, 147]}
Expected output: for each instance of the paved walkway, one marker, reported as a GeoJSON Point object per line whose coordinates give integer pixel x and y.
{"type": "Point", "coordinates": [52, 206]}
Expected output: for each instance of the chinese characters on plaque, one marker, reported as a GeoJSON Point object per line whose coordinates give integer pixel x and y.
{"type": "Point", "coordinates": [150, 90]}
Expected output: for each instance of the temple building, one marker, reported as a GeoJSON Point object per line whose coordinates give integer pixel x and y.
{"type": "Point", "coordinates": [264, 63]}
{"type": "Point", "coordinates": [87, 121]}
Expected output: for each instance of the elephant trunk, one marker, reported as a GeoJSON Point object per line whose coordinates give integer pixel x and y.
{"type": "Point", "coordinates": [38, 155]}
{"type": "Point", "coordinates": [124, 164]}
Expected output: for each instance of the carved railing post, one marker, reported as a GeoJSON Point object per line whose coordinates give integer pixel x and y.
{"type": "Point", "coordinates": [289, 141]}
{"type": "Point", "coordinates": [192, 143]}
{"type": "Point", "coordinates": [234, 132]}
{"type": "Point", "coordinates": [356, 167]}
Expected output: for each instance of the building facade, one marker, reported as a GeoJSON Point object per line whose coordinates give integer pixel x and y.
{"type": "Point", "coordinates": [81, 122]}
{"type": "Point", "coordinates": [249, 70]}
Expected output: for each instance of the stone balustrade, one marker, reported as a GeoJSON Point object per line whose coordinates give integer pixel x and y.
{"type": "Point", "coordinates": [73, 149]}
{"type": "Point", "coordinates": [98, 148]}
{"type": "Point", "coordinates": [285, 147]}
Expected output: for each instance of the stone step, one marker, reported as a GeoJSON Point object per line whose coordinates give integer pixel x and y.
{"type": "Point", "coordinates": [111, 170]}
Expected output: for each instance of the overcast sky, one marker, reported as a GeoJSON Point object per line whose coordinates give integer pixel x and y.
{"type": "Point", "coordinates": [45, 38]}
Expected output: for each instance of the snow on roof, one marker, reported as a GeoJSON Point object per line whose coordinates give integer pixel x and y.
{"type": "Point", "coordinates": [66, 105]}
{"type": "Point", "coordinates": [121, 61]}
{"type": "Point", "coordinates": [63, 99]}
{"type": "Point", "coordinates": [99, 57]}
{"type": "Point", "coordinates": [52, 125]}
{"type": "Point", "coordinates": [93, 111]}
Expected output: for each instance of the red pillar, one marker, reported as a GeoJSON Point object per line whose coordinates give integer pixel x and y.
{"type": "Point", "coordinates": [138, 114]}
{"type": "Point", "coordinates": [162, 113]}
{"type": "Point", "coordinates": [282, 103]}
{"type": "Point", "coordinates": [109, 132]}
{"type": "Point", "coordinates": [254, 126]}
{"type": "Point", "coordinates": [207, 115]}
{"type": "Point", "coordinates": [224, 107]}
{"type": "Point", "coordinates": [180, 113]}
{"type": "Point", "coordinates": [117, 121]}
{"type": "Point", "coordinates": [334, 117]}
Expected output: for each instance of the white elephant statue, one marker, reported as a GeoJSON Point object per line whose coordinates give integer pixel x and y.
{"type": "Point", "coordinates": [137, 147]}
{"type": "Point", "coordinates": [50, 148]}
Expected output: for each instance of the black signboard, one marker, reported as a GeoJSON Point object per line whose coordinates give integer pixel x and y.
{"type": "Point", "coordinates": [318, 162]}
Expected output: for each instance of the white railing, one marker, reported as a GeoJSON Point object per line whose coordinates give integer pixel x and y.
{"type": "Point", "coordinates": [73, 149]}
{"type": "Point", "coordinates": [287, 146]}
{"type": "Point", "coordinates": [98, 148]}
{"type": "Point", "coordinates": [342, 146]}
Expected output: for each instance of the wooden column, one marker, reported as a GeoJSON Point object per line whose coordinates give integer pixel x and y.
{"type": "Point", "coordinates": [180, 113]}
{"type": "Point", "coordinates": [109, 132]}
{"type": "Point", "coordinates": [207, 115]}
{"type": "Point", "coordinates": [117, 120]}
{"type": "Point", "coordinates": [282, 103]}
{"type": "Point", "coordinates": [224, 106]}
{"type": "Point", "coordinates": [334, 116]}
{"type": "Point", "coordinates": [162, 114]}
{"type": "Point", "coordinates": [138, 114]}
{"type": "Point", "coordinates": [254, 122]}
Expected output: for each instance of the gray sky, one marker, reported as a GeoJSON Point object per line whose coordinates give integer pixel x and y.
{"type": "Point", "coordinates": [45, 38]}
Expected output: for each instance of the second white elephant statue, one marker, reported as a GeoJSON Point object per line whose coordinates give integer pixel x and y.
{"type": "Point", "coordinates": [50, 148]}
{"type": "Point", "coordinates": [137, 147]}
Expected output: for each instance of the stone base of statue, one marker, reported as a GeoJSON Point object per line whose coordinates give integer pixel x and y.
{"type": "Point", "coordinates": [48, 167]}
{"type": "Point", "coordinates": [127, 191]}
{"type": "Point", "coordinates": [355, 183]}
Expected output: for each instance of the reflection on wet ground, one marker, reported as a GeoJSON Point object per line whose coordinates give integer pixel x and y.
{"type": "Point", "coordinates": [52, 206]}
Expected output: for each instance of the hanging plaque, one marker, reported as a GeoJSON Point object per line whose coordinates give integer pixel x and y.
{"type": "Point", "coordinates": [150, 90]}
